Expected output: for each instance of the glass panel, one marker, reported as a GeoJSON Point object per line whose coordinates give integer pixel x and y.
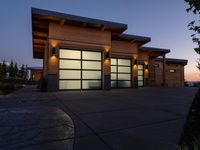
{"type": "Point", "coordinates": [125, 62]}
{"type": "Point", "coordinates": [124, 77]}
{"type": "Point", "coordinates": [71, 54]}
{"type": "Point", "coordinates": [70, 64]}
{"type": "Point", "coordinates": [92, 55]}
{"type": "Point", "coordinates": [113, 69]}
{"type": "Point", "coordinates": [140, 77]}
{"type": "Point", "coordinates": [140, 72]}
{"type": "Point", "coordinates": [113, 83]}
{"type": "Point", "coordinates": [140, 83]}
{"type": "Point", "coordinates": [113, 61]}
{"type": "Point", "coordinates": [91, 84]}
{"type": "Point", "coordinates": [70, 74]}
{"type": "Point", "coordinates": [124, 83]}
{"type": "Point", "coordinates": [69, 84]}
{"type": "Point", "coordinates": [91, 74]}
{"type": "Point", "coordinates": [140, 67]}
{"type": "Point", "coordinates": [113, 76]}
{"type": "Point", "coordinates": [91, 65]}
{"type": "Point", "coordinates": [124, 69]}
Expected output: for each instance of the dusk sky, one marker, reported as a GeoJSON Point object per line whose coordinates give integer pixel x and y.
{"type": "Point", "coordinates": [165, 21]}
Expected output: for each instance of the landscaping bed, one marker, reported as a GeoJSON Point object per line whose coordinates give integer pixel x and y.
{"type": "Point", "coordinates": [8, 85]}
{"type": "Point", "coordinates": [190, 139]}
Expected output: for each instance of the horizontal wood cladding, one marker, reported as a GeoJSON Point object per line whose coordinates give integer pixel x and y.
{"type": "Point", "coordinates": [173, 79]}
{"type": "Point", "coordinates": [77, 45]}
{"type": "Point", "coordinates": [79, 34]}
{"type": "Point", "coordinates": [142, 56]}
{"type": "Point", "coordinates": [123, 49]}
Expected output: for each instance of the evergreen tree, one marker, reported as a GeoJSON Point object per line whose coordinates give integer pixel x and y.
{"type": "Point", "coordinates": [11, 69]}
{"type": "Point", "coordinates": [4, 69]}
{"type": "Point", "coordinates": [1, 69]}
{"type": "Point", "coordinates": [22, 70]}
{"type": "Point", "coordinates": [16, 70]}
{"type": "Point", "coordinates": [26, 72]}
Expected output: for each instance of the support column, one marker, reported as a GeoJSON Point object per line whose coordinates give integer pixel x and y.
{"type": "Point", "coordinates": [164, 76]}
{"type": "Point", "coordinates": [106, 70]}
{"type": "Point", "coordinates": [134, 73]}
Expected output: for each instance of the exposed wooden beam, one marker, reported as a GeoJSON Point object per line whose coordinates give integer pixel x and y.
{"type": "Point", "coordinates": [62, 22]}
{"type": "Point", "coordinates": [39, 34]}
{"type": "Point", "coordinates": [40, 37]}
{"type": "Point", "coordinates": [84, 24]}
{"type": "Point", "coordinates": [39, 41]}
{"type": "Point", "coordinates": [36, 29]}
{"type": "Point", "coordinates": [132, 41]}
{"type": "Point", "coordinates": [103, 28]}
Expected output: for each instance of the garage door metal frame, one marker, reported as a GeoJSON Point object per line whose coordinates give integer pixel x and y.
{"type": "Point", "coordinates": [131, 84]}
{"type": "Point", "coordinates": [81, 70]}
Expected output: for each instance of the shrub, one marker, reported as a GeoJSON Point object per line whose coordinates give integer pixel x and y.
{"type": "Point", "coordinates": [191, 133]}
{"type": "Point", "coordinates": [42, 84]}
{"type": "Point", "coordinates": [6, 88]}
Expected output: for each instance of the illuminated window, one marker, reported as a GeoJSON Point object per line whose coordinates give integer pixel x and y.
{"type": "Point", "coordinates": [172, 70]}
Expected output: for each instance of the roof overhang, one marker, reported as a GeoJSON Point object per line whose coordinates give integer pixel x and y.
{"type": "Point", "coordinates": [133, 38]}
{"type": "Point", "coordinates": [173, 61]}
{"type": "Point", "coordinates": [40, 26]}
{"type": "Point", "coordinates": [154, 52]}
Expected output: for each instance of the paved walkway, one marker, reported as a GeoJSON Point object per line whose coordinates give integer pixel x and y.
{"type": "Point", "coordinates": [121, 119]}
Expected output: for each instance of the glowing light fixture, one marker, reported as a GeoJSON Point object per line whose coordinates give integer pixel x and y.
{"type": "Point", "coordinates": [53, 51]}
{"type": "Point", "coordinates": [107, 55]}
{"type": "Point", "coordinates": [146, 66]}
{"type": "Point", "coordinates": [135, 62]}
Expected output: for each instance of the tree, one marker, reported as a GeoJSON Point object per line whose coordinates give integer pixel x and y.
{"type": "Point", "coordinates": [16, 70]}
{"type": "Point", "coordinates": [11, 69]}
{"type": "Point", "coordinates": [22, 71]}
{"type": "Point", "coordinates": [194, 6]}
{"type": "Point", "coordinates": [4, 69]}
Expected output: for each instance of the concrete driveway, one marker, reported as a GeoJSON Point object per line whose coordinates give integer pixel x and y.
{"type": "Point", "coordinates": [121, 119]}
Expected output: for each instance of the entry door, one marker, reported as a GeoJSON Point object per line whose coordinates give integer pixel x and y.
{"type": "Point", "coordinates": [120, 73]}
{"type": "Point", "coordinates": [140, 75]}
{"type": "Point", "coordinates": [80, 69]}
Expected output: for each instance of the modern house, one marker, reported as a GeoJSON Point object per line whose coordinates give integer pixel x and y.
{"type": "Point", "coordinates": [85, 53]}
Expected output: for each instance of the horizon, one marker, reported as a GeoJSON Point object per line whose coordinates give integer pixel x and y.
{"type": "Point", "coordinates": [167, 29]}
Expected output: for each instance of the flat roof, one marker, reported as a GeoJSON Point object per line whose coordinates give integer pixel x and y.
{"type": "Point", "coordinates": [153, 49]}
{"type": "Point", "coordinates": [57, 15]}
{"type": "Point", "coordinates": [173, 60]}
{"type": "Point", "coordinates": [38, 68]}
{"type": "Point", "coordinates": [129, 37]}
{"type": "Point", "coordinates": [40, 26]}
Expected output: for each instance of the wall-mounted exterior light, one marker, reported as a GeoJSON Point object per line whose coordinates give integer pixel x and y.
{"type": "Point", "coordinates": [146, 67]}
{"type": "Point", "coordinates": [53, 51]}
{"type": "Point", "coordinates": [107, 55]}
{"type": "Point", "coordinates": [135, 62]}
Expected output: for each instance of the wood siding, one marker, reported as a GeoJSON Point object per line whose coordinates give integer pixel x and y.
{"type": "Point", "coordinates": [123, 49]}
{"type": "Point", "coordinates": [173, 79]}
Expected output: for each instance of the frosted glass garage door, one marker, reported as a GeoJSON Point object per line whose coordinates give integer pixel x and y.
{"type": "Point", "coordinates": [140, 75]}
{"type": "Point", "coordinates": [80, 69]}
{"type": "Point", "coordinates": [120, 73]}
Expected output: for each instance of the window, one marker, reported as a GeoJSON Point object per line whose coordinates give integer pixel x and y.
{"type": "Point", "coordinates": [120, 72]}
{"type": "Point", "coordinates": [80, 69]}
{"type": "Point", "coordinates": [140, 75]}
{"type": "Point", "coordinates": [172, 70]}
